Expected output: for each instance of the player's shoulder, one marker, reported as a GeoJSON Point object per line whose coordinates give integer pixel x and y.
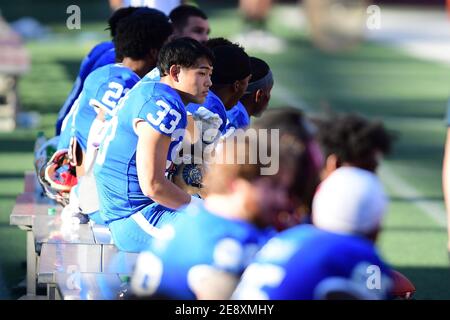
{"type": "Point", "coordinates": [100, 48]}
{"type": "Point", "coordinates": [122, 73]}
{"type": "Point", "coordinates": [213, 101]}
{"type": "Point", "coordinates": [160, 91]}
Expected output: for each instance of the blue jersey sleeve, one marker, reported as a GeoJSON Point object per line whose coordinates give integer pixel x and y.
{"type": "Point", "coordinates": [106, 58]}
{"type": "Point", "coordinates": [163, 116]}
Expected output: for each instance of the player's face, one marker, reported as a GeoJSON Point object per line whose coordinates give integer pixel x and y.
{"type": "Point", "coordinates": [267, 196]}
{"type": "Point", "coordinates": [241, 88]}
{"type": "Point", "coordinates": [196, 28]}
{"type": "Point", "coordinates": [195, 82]}
{"type": "Point", "coordinates": [263, 101]}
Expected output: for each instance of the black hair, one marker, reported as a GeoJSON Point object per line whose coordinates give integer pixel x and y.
{"type": "Point", "coordinates": [217, 42]}
{"type": "Point", "coordinates": [180, 15]}
{"type": "Point", "coordinates": [140, 32]}
{"type": "Point", "coordinates": [184, 52]}
{"type": "Point", "coordinates": [118, 15]}
{"type": "Point", "coordinates": [232, 64]}
{"type": "Point", "coordinates": [259, 69]}
{"type": "Point", "coordinates": [354, 139]}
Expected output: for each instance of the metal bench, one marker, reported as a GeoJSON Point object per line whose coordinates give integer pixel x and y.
{"type": "Point", "coordinates": [29, 205]}
{"type": "Point", "coordinates": [88, 286]}
{"type": "Point", "coordinates": [66, 258]}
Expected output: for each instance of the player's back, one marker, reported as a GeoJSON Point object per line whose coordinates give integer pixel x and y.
{"type": "Point", "coordinates": [91, 58]}
{"type": "Point", "coordinates": [305, 263]}
{"type": "Point", "coordinates": [202, 244]}
{"type": "Point", "coordinates": [160, 106]}
{"type": "Point", "coordinates": [106, 85]}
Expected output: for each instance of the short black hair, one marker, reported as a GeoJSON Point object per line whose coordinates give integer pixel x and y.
{"type": "Point", "coordinates": [140, 32]}
{"type": "Point", "coordinates": [118, 15]}
{"type": "Point", "coordinates": [184, 52]}
{"type": "Point", "coordinates": [354, 139]}
{"type": "Point", "coordinates": [180, 15]}
{"type": "Point", "coordinates": [259, 69]}
{"type": "Point", "coordinates": [219, 41]}
{"type": "Point", "coordinates": [232, 64]}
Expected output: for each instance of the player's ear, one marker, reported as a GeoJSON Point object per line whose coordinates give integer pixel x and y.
{"type": "Point", "coordinates": [331, 164]}
{"type": "Point", "coordinates": [174, 72]}
{"type": "Point", "coordinates": [236, 86]}
{"type": "Point", "coordinates": [259, 95]}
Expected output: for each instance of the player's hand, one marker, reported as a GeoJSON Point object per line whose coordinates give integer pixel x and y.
{"type": "Point", "coordinates": [211, 123]}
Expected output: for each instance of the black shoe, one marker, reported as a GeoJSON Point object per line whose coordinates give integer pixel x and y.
{"type": "Point", "coordinates": [84, 218]}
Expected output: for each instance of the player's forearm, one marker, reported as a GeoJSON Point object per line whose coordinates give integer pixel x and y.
{"type": "Point", "coordinates": [167, 194]}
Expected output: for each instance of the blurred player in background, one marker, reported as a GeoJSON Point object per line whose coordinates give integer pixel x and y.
{"type": "Point", "coordinates": [352, 140]}
{"type": "Point", "coordinates": [334, 259]}
{"type": "Point", "coordinates": [190, 21]}
{"type": "Point", "coordinates": [210, 244]}
{"type": "Point", "coordinates": [136, 199]}
{"type": "Point", "coordinates": [163, 5]}
{"type": "Point", "coordinates": [255, 13]}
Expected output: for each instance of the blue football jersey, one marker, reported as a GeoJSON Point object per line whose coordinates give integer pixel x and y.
{"type": "Point", "coordinates": [106, 85]}
{"type": "Point", "coordinates": [153, 75]}
{"type": "Point", "coordinates": [115, 170]}
{"type": "Point", "coordinates": [67, 127]}
{"type": "Point", "coordinates": [213, 104]}
{"type": "Point", "coordinates": [238, 117]}
{"type": "Point", "coordinates": [200, 242]}
{"type": "Point", "coordinates": [108, 57]}
{"type": "Point", "coordinates": [305, 263]}
{"type": "Point", "coordinates": [87, 66]}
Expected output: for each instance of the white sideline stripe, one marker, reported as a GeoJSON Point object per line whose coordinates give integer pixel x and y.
{"type": "Point", "coordinates": [146, 226]}
{"type": "Point", "coordinates": [432, 208]}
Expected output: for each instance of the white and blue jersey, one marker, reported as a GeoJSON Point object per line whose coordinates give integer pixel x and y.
{"type": "Point", "coordinates": [237, 117]}
{"type": "Point", "coordinates": [115, 170]}
{"type": "Point", "coordinates": [305, 263]}
{"type": "Point", "coordinates": [106, 85]}
{"type": "Point", "coordinates": [200, 242]}
{"type": "Point", "coordinates": [89, 63]}
{"type": "Point", "coordinates": [153, 75]}
{"type": "Point", "coordinates": [214, 105]}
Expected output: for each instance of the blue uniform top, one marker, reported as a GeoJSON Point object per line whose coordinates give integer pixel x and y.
{"type": "Point", "coordinates": [201, 242]}
{"type": "Point", "coordinates": [304, 263]}
{"type": "Point", "coordinates": [87, 66]}
{"type": "Point", "coordinates": [115, 170]}
{"type": "Point", "coordinates": [153, 75]}
{"type": "Point", "coordinates": [238, 117]}
{"type": "Point", "coordinates": [66, 128]}
{"type": "Point", "coordinates": [108, 57]}
{"type": "Point", "coordinates": [213, 104]}
{"type": "Point", "coordinates": [107, 85]}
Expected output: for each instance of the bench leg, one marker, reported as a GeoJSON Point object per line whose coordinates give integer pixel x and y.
{"type": "Point", "coordinates": [51, 291]}
{"type": "Point", "coordinates": [31, 264]}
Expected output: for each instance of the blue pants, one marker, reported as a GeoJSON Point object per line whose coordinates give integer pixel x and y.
{"type": "Point", "coordinates": [135, 233]}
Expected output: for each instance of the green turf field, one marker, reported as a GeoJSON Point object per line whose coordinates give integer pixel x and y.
{"type": "Point", "coordinates": [408, 94]}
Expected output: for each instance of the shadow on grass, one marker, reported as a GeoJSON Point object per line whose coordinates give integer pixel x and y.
{"type": "Point", "coordinates": [8, 145]}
